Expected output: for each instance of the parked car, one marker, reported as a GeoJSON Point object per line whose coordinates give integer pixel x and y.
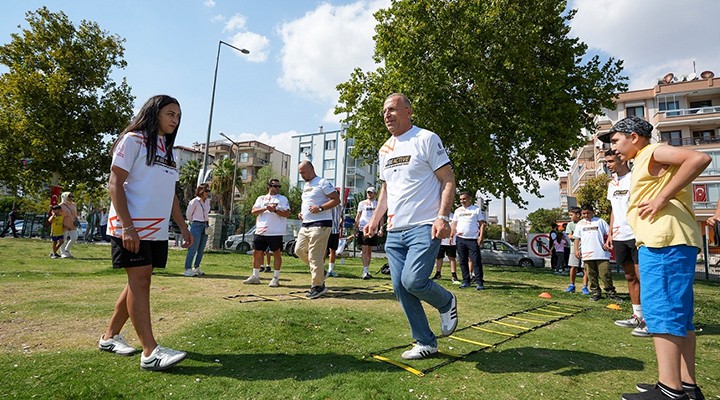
{"type": "Point", "coordinates": [499, 252]}
{"type": "Point", "coordinates": [236, 242]}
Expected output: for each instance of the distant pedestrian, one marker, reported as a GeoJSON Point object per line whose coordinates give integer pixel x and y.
{"type": "Point", "coordinates": [335, 235]}
{"type": "Point", "coordinates": [71, 224]}
{"type": "Point", "coordinates": [103, 224]}
{"type": "Point", "coordinates": [10, 224]}
{"type": "Point", "coordinates": [365, 210]}
{"type": "Point", "coordinates": [56, 230]}
{"type": "Point", "coordinates": [469, 224]}
{"type": "Point", "coordinates": [198, 211]}
{"type": "Point", "coordinates": [591, 232]}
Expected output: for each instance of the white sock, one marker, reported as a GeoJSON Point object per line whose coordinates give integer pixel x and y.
{"type": "Point", "coordinates": [331, 266]}
{"type": "Point", "coordinates": [637, 310]}
{"type": "Point", "coordinates": [366, 270]}
{"type": "Point", "coordinates": [256, 272]}
{"type": "Point", "coordinates": [276, 273]}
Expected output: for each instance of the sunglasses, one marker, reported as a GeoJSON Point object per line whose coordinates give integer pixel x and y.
{"type": "Point", "coordinates": [207, 190]}
{"type": "Point", "coordinates": [275, 186]}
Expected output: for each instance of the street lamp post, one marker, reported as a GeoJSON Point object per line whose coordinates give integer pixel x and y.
{"type": "Point", "coordinates": [232, 190]}
{"type": "Point", "coordinates": [201, 178]}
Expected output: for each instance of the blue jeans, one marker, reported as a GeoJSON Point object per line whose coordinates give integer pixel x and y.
{"type": "Point", "coordinates": [197, 229]}
{"type": "Point", "coordinates": [411, 255]}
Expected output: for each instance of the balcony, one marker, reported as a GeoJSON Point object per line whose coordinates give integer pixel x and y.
{"type": "Point", "coordinates": [686, 115]}
{"type": "Point", "coordinates": [696, 141]}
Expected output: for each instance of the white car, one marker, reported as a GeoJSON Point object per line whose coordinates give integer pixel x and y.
{"type": "Point", "coordinates": [499, 252]}
{"type": "Point", "coordinates": [237, 243]}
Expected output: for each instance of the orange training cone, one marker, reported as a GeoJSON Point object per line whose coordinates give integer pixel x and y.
{"type": "Point", "coordinates": [545, 295]}
{"type": "Point", "coordinates": [614, 307]}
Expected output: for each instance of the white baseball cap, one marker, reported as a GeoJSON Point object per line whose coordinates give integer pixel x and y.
{"type": "Point", "coordinates": [371, 189]}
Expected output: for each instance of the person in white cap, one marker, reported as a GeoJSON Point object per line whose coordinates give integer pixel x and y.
{"type": "Point", "coordinates": [366, 208]}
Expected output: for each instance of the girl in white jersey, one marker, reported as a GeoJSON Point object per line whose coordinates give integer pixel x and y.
{"type": "Point", "coordinates": [142, 193]}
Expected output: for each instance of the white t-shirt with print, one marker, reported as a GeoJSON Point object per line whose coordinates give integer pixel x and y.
{"type": "Point", "coordinates": [367, 207]}
{"type": "Point", "coordinates": [447, 240]}
{"type": "Point", "coordinates": [467, 220]}
{"type": "Point", "coordinates": [149, 189]}
{"type": "Point", "coordinates": [592, 237]}
{"type": "Point", "coordinates": [619, 195]}
{"type": "Point", "coordinates": [269, 223]}
{"type": "Point", "coordinates": [315, 193]}
{"type": "Point", "coordinates": [407, 166]}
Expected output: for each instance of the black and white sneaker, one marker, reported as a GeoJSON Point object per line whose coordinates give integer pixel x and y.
{"type": "Point", "coordinates": [419, 351]}
{"type": "Point", "coordinates": [316, 291]}
{"type": "Point", "coordinates": [693, 393]}
{"type": "Point", "coordinates": [117, 345]}
{"type": "Point", "coordinates": [161, 358]}
{"type": "Point", "coordinates": [449, 319]}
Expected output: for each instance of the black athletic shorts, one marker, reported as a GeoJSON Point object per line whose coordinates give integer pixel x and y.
{"type": "Point", "coordinates": [152, 252]}
{"type": "Point", "coordinates": [451, 251]}
{"type": "Point", "coordinates": [366, 241]}
{"type": "Point", "coordinates": [625, 252]}
{"type": "Point", "coordinates": [333, 241]}
{"type": "Point", "coordinates": [264, 243]}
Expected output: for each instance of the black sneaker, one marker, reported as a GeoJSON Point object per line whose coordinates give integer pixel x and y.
{"type": "Point", "coordinates": [652, 393]}
{"type": "Point", "coordinates": [316, 291]}
{"type": "Point", "coordinates": [595, 297]}
{"type": "Point", "coordinates": [615, 298]}
{"type": "Point", "coordinates": [437, 275]}
{"type": "Point", "coordinates": [694, 393]}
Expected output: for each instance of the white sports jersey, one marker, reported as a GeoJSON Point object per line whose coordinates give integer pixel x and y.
{"type": "Point", "coordinates": [592, 237]}
{"type": "Point", "coordinates": [315, 193]}
{"type": "Point", "coordinates": [367, 208]}
{"type": "Point", "coordinates": [619, 196]}
{"type": "Point", "coordinates": [467, 220]}
{"type": "Point", "coordinates": [149, 189]}
{"type": "Point", "coordinates": [407, 165]}
{"type": "Point", "coordinates": [446, 241]}
{"type": "Point", "coordinates": [269, 223]}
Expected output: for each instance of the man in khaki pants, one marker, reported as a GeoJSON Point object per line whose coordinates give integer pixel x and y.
{"type": "Point", "coordinates": [318, 198]}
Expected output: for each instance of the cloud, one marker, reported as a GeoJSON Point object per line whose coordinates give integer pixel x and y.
{"type": "Point", "coordinates": [281, 141]}
{"type": "Point", "coordinates": [256, 43]}
{"type": "Point", "coordinates": [653, 37]}
{"type": "Point", "coordinates": [236, 23]}
{"type": "Point", "coordinates": [218, 18]}
{"type": "Point", "coordinates": [321, 49]}
{"type": "Point", "coordinates": [209, 3]}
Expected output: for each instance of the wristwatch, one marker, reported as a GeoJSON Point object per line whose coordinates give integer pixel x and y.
{"type": "Point", "coordinates": [321, 208]}
{"type": "Point", "coordinates": [443, 217]}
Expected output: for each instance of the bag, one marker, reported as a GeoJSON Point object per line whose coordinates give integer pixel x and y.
{"type": "Point", "coordinates": [76, 223]}
{"type": "Point", "coordinates": [385, 269]}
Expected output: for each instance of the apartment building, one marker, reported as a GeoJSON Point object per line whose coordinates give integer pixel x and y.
{"type": "Point", "coordinates": [329, 153]}
{"type": "Point", "coordinates": [685, 111]}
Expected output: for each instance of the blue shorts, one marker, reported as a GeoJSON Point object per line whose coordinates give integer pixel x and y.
{"type": "Point", "coordinates": [666, 288]}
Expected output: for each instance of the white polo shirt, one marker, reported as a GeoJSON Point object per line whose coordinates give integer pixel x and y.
{"type": "Point", "coordinates": [407, 166]}
{"type": "Point", "coordinates": [619, 196]}
{"type": "Point", "coordinates": [467, 221]}
{"type": "Point", "coordinates": [149, 189]}
{"type": "Point", "coordinates": [315, 193]}
{"type": "Point", "coordinates": [269, 223]}
{"type": "Point", "coordinates": [592, 237]}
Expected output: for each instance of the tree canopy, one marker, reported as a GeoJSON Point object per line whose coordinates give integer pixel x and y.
{"type": "Point", "coordinates": [542, 219]}
{"type": "Point", "coordinates": [501, 82]}
{"type": "Point", "coordinates": [594, 192]}
{"type": "Point", "coordinates": [58, 103]}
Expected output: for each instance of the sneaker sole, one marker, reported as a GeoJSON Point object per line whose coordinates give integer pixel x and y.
{"type": "Point", "coordinates": [111, 350]}
{"type": "Point", "coordinates": [316, 295]}
{"type": "Point", "coordinates": [151, 368]}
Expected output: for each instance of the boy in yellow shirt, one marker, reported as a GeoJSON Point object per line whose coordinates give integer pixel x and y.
{"type": "Point", "coordinates": [668, 240]}
{"type": "Point", "coordinates": [56, 230]}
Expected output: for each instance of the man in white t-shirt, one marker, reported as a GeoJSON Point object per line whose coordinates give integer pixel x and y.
{"type": "Point", "coordinates": [469, 224]}
{"type": "Point", "coordinates": [271, 210]}
{"type": "Point", "coordinates": [622, 239]}
{"type": "Point", "coordinates": [418, 187]}
{"type": "Point", "coordinates": [365, 210]}
{"type": "Point", "coordinates": [590, 233]}
{"type": "Point", "coordinates": [318, 198]}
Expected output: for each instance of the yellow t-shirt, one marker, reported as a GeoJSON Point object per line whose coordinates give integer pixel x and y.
{"type": "Point", "coordinates": [56, 225]}
{"type": "Point", "coordinates": [675, 224]}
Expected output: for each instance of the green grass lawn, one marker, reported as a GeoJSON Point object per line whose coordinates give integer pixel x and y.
{"type": "Point", "coordinates": [52, 313]}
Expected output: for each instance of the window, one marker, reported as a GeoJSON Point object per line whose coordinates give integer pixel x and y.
{"type": "Point", "coordinates": [668, 105]}
{"type": "Point", "coordinates": [701, 103]}
{"type": "Point", "coordinates": [305, 149]}
{"type": "Point", "coordinates": [673, 138]}
{"type": "Point", "coordinates": [714, 167]}
{"type": "Point", "coordinates": [329, 145]}
{"type": "Point", "coordinates": [638, 111]}
{"type": "Point", "coordinates": [329, 164]}
{"type": "Point", "coordinates": [244, 157]}
{"type": "Point", "coordinates": [707, 136]}
{"type": "Point", "coordinates": [243, 173]}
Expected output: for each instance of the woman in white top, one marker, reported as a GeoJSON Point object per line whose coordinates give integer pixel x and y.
{"type": "Point", "coordinates": [69, 229]}
{"type": "Point", "coordinates": [142, 192]}
{"type": "Point", "coordinates": [197, 213]}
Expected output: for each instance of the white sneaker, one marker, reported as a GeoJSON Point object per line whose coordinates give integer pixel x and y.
{"type": "Point", "coordinates": [632, 322]}
{"type": "Point", "coordinates": [161, 358]}
{"type": "Point", "coordinates": [189, 272]}
{"type": "Point", "coordinates": [64, 255]}
{"type": "Point", "coordinates": [117, 345]}
{"type": "Point", "coordinates": [641, 330]}
{"type": "Point", "coordinates": [198, 272]}
{"type": "Point", "coordinates": [252, 280]}
{"type": "Point", "coordinates": [68, 254]}
{"type": "Point", "coordinates": [419, 351]}
{"type": "Point", "coordinates": [449, 319]}
{"type": "Point", "coordinates": [274, 282]}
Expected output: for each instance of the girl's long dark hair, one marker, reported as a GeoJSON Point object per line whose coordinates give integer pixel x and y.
{"type": "Point", "coordinates": [146, 121]}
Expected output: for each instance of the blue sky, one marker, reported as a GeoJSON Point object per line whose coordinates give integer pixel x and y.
{"type": "Point", "coordinates": [300, 49]}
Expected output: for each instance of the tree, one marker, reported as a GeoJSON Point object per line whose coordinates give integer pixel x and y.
{"type": "Point", "coordinates": [542, 219]}
{"type": "Point", "coordinates": [594, 192]}
{"type": "Point", "coordinates": [501, 82]}
{"type": "Point", "coordinates": [221, 184]}
{"type": "Point", "coordinates": [58, 104]}
{"type": "Point", "coordinates": [188, 179]}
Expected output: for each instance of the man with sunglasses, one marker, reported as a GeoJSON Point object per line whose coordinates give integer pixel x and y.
{"type": "Point", "coordinates": [271, 210]}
